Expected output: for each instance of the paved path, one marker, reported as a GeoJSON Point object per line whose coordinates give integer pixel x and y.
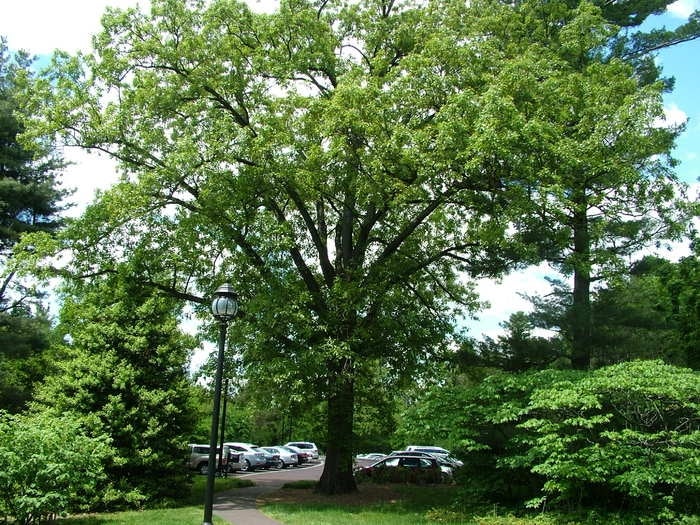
{"type": "Point", "coordinates": [238, 506]}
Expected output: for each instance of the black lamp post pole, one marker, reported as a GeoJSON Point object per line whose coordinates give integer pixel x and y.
{"type": "Point", "coordinates": [209, 492]}
{"type": "Point", "coordinates": [223, 426]}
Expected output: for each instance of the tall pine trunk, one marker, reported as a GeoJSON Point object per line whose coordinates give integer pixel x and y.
{"type": "Point", "coordinates": [337, 477]}
{"type": "Point", "coordinates": [581, 321]}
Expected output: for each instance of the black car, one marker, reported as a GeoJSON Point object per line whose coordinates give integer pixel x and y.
{"type": "Point", "coordinates": [405, 469]}
{"type": "Point", "coordinates": [443, 461]}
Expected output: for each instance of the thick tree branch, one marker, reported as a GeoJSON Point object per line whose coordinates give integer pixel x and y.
{"type": "Point", "coordinates": [318, 240]}
{"type": "Point", "coordinates": [305, 272]}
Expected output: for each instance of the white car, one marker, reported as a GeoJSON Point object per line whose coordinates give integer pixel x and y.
{"type": "Point", "coordinates": [305, 446]}
{"type": "Point", "coordinates": [435, 451]}
{"type": "Point", "coordinates": [252, 458]}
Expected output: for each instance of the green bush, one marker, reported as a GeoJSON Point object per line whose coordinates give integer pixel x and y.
{"type": "Point", "coordinates": [480, 425]}
{"type": "Point", "coordinates": [621, 438]}
{"type": "Point", "coordinates": [48, 466]}
{"type": "Point", "coordinates": [627, 435]}
{"type": "Point", "coordinates": [401, 475]}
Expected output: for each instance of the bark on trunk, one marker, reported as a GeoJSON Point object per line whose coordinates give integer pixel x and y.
{"type": "Point", "coordinates": [581, 306]}
{"type": "Point", "coordinates": [337, 477]}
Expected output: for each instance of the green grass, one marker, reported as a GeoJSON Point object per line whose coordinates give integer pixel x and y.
{"type": "Point", "coordinates": [415, 506]}
{"type": "Point", "coordinates": [188, 511]}
{"type": "Point", "coordinates": [419, 505]}
{"type": "Point", "coordinates": [408, 505]}
{"type": "Point", "coordinates": [176, 516]}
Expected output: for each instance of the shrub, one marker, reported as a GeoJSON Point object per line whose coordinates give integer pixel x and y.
{"type": "Point", "coordinates": [401, 475]}
{"type": "Point", "coordinates": [626, 435]}
{"type": "Point", "coordinates": [48, 466]}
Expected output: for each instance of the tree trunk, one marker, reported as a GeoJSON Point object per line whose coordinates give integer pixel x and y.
{"type": "Point", "coordinates": [581, 305]}
{"type": "Point", "coordinates": [337, 477]}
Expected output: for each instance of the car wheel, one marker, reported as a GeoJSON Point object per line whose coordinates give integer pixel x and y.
{"type": "Point", "coordinates": [203, 468]}
{"type": "Point", "coordinates": [280, 464]}
{"type": "Point", "coordinates": [283, 464]}
{"type": "Point", "coordinates": [246, 466]}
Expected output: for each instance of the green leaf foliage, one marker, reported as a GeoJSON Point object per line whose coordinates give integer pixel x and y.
{"type": "Point", "coordinates": [30, 196]}
{"type": "Point", "coordinates": [621, 437]}
{"type": "Point", "coordinates": [25, 356]}
{"type": "Point", "coordinates": [349, 168]}
{"type": "Point", "coordinates": [626, 434]}
{"type": "Point", "coordinates": [124, 376]}
{"type": "Point", "coordinates": [49, 466]}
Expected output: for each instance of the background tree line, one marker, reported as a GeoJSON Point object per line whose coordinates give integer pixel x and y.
{"type": "Point", "coordinates": [353, 171]}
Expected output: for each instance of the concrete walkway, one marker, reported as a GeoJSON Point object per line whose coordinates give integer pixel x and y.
{"type": "Point", "coordinates": [239, 506]}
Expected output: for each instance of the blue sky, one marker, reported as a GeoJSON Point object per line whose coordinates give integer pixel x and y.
{"type": "Point", "coordinates": [40, 26]}
{"type": "Point", "coordinates": [683, 63]}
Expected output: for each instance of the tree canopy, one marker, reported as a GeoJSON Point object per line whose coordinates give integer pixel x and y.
{"type": "Point", "coordinates": [30, 197]}
{"type": "Point", "coordinates": [123, 374]}
{"type": "Point", "coordinates": [349, 168]}
{"type": "Point", "coordinates": [31, 200]}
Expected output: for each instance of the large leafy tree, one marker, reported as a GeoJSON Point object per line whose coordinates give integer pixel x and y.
{"type": "Point", "coordinates": [348, 168]}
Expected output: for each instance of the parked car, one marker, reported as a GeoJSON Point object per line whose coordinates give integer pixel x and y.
{"type": "Point", "coordinates": [199, 459]}
{"type": "Point", "coordinates": [306, 446]}
{"type": "Point", "coordinates": [303, 456]}
{"type": "Point", "coordinates": [376, 456]}
{"type": "Point", "coordinates": [443, 461]}
{"type": "Point", "coordinates": [289, 455]}
{"type": "Point", "coordinates": [286, 457]}
{"type": "Point", "coordinates": [405, 469]}
{"type": "Point", "coordinates": [252, 458]}
{"type": "Point", "coordinates": [272, 457]}
{"type": "Point", "coordinates": [438, 452]}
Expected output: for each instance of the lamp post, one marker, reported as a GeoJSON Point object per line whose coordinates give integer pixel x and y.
{"type": "Point", "coordinates": [223, 427]}
{"type": "Point", "coordinates": [224, 307]}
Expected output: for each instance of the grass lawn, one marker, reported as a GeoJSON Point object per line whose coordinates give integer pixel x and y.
{"type": "Point", "coordinates": [397, 504]}
{"type": "Point", "coordinates": [375, 504]}
{"type": "Point", "coordinates": [176, 516]}
{"type": "Point", "coordinates": [190, 511]}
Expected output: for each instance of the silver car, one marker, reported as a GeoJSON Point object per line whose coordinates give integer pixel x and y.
{"type": "Point", "coordinates": [199, 459]}
{"type": "Point", "coordinates": [287, 457]}
{"type": "Point", "coordinates": [252, 458]}
{"type": "Point", "coordinates": [306, 446]}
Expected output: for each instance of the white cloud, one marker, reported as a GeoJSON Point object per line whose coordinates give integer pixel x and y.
{"type": "Point", "coordinates": [673, 116]}
{"type": "Point", "coordinates": [683, 8]}
{"type": "Point", "coordinates": [505, 298]}
{"type": "Point", "coordinates": [42, 26]}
